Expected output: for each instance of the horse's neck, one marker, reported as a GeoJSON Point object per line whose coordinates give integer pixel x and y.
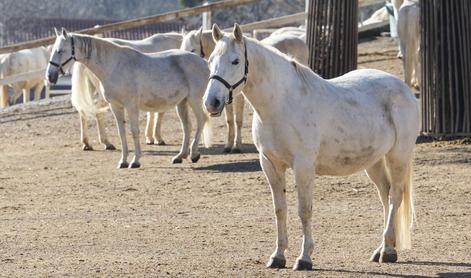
{"type": "Point", "coordinates": [273, 81]}
{"type": "Point", "coordinates": [96, 54]}
{"type": "Point", "coordinates": [208, 43]}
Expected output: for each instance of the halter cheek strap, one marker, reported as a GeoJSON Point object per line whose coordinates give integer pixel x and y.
{"type": "Point", "coordinates": [242, 80]}
{"type": "Point", "coordinates": [72, 57]}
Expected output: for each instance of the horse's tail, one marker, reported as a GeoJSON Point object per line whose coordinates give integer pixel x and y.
{"type": "Point", "coordinates": [405, 214]}
{"type": "Point", "coordinates": [84, 94]}
{"type": "Point", "coordinates": [208, 131]}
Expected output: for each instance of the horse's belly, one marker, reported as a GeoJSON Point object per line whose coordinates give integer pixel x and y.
{"type": "Point", "coordinates": [159, 103]}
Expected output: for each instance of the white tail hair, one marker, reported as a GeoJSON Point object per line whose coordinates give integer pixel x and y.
{"type": "Point", "coordinates": [405, 214]}
{"type": "Point", "coordinates": [82, 97]}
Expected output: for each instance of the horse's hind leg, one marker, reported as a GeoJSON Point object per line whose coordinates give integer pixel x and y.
{"type": "Point", "coordinates": [229, 110]}
{"type": "Point", "coordinates": [37, 91]}
{"type": "Point", "coordinates": [100, 123]}
{"type": "Point", "coordinates": [182, 111]}
{"type": "Point", "coordinates": [149, 127]}
{"type": "Point", "coordinates": [275, 174]}
{"type": "Point", "coordinates": [239, 102]}
{"type": "Point", "coordinates": [157, 134]}
{"type": "Point", "coordinates": [118, 112]}
{"type": "Point", "coordinates": [3, 96]}
{"type": "Point", "coordinates": [84, 132]}
{"type": "Point", "coordinates": [378, 174]}
{"type": "Point", "coordinates": [399, 218]}
{"type": "Point", "coordinates": [133, 114]}
{"type": "Point", "coordinates": [196, 106]}
{"type": "Point", "coordinates": [26, 95]}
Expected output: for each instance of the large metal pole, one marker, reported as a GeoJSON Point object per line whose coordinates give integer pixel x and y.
{"type": "Point", "coordinates": [332, 36]}
{"type": "Point", "coordinates": [446, 67]}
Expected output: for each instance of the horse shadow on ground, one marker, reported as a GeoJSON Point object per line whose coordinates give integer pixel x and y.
{"type": "Point", "coordinates": [214, 150]}
{"type": "Point", "coordinates": [244, 166]}
{"type": "Point", "coordinates": [33, 115]}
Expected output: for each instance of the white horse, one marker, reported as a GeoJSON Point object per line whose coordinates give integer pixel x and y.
{"type": "Point", "coordinates": [203, 44]}
{"type": "Point", "coordinates": [89, 102]}
{"type": "Point", "coordinates": [134, 81]}
{"type": "Point", "coordinates": [24, 61]}
{"type": "Point", "coordinates": [408, 30]}
{"type": "Point", "coordinates": [364, 120]}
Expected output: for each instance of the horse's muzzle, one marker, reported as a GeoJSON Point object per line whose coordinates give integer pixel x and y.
{"type": "Point", "coordinates": [52, 77]}
{"type": "Point", "coordinates": [214, 107]}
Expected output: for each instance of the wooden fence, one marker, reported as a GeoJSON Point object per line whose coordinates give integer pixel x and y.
{"type": "Point", "coordinates": [332, 36]}
{"type": "Point", "coordinates": [446, 67]}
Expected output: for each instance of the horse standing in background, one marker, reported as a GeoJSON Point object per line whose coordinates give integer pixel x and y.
{"type": "Point", "coordinates": [87, 92]}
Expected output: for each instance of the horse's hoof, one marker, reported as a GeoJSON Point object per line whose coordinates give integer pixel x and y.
{"type": "Point", "coordinates": [227, 150]}
{"type": "Point", "coordinates": [123, 165]}
{"type": "Point", "coordinates": [135, 165]}
{"type": "Point", "coordinates": [276, 263]}
{"type": "Point", "coordinates": [375, 257]}
{"type": "Point", "coordinates": [236, 150]}
{"type": "Point", "coordinates": [110, 147]}
{"type": "Point", "coordinates": [87, 148]}
{"type": "Point", "coordinates": [149, 141]}
{"type": "Point", "coordinates": [177, 160]}
{"type": "Point", "coordinates": [161, 143]}
{"type": "Point", "coordinates": [196, 158]}
{"type": "Point", "coordinates": [302, 265]}
{"type": "Point", "coordinates": [388, 257]}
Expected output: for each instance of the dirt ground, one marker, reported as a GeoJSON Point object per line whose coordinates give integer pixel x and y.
{"type": "Point", "coordinates": [66, 212]}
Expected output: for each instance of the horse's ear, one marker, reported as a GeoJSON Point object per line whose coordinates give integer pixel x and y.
{"type": "Point", "coordinates": [57, 32]}
{"type": "Point", "coordinates": [64, 32]}
{"type": "Point", "coordinates": [199, 32]}
{"type": "Point", "coordinates": [217, 34]}
{"type": "Point", "coordinates": [238, 35]}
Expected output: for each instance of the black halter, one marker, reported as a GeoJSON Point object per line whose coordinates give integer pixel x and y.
{"type": "Point", "coordinates": [242, 80]}
{"type": "Point", "coordinates": [59, 66]}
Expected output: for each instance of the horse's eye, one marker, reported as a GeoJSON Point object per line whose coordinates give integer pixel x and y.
{"type": "Point", "coordinates": [59, 51]}
{"type": "Point", "coordinates": [193, 50]}
{"type": "Point", "coordinates": [235, 62]}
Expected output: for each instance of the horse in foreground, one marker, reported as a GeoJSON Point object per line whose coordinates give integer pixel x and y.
{"type": "Point", "coordinates": [87, 95]}
{"type": "Point", "coordinates": [364, 120]}
{"type": "Point", "coordinates": [202, 43]}
{"type": "Point", "coordinates": [134, 81]}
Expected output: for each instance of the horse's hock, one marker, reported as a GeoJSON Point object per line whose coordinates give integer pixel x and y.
{"type": "Point", "coordinates": [446, 67]}
{"type": "Point", "coordinates": [332, 36]}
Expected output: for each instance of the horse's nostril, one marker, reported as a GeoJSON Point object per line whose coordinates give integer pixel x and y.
{"type": "Point", "coordinates": [216, 102]}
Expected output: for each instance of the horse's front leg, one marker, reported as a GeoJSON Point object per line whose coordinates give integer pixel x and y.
{"type": "Point", "coordinates": [37, 91]}
{"type": "Point", "coordinates": [26, 95]}
{"type": "Point", "coordinates": [133, 114]}
{"type": "Point", "coordinates": [304, 177]}
{"type": "Point", "coordinates": [229, 110]}
{"type": "Point", "coordinates": [275, 174]}
{"type": "Point", "coordinates": [3, 96]}
{"type": "Point", "coordinates": [118, 112]}
{"type": "Point", "coordinates": [239, 102]}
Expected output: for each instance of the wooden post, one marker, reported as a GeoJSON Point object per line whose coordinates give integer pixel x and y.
{"type": "Point", "coordinates": [206, 18]}
{"type": "Point", "coordinates": [332, 36]}
{"type": "Point", "coordinates": [446, 68]}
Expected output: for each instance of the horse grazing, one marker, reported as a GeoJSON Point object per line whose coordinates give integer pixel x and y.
{"type": "Point", "coordinates": [23, 61]}
{"type": "Point", "coordinates": [363, 120]}
{"type": "Point", "coordinates": [135, 81]}
{"type": "Point", "coordinates": [89, 102]}
{"type": "Point", "coordinates": [203, 44]}
{"type": "Point", "coordinates": [408, 30]}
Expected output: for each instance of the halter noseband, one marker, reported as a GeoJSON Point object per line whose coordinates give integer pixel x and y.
{"type": "Point", "coordinates": [72, 57]}
{"type": "Point", "coordinates": [242, 80]}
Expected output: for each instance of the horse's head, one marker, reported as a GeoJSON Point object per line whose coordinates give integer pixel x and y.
{"type": "Point", "coordinates": [192, 42]}
{"type": "Point", "coordinates": [62, 56]}
{"type": "Point", "coordinates": [228, 66]}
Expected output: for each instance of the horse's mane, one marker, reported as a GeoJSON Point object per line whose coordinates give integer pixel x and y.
{"type": "Point", "coordinates": [305, 73]}
{"type": "Point", "coordinates": [84, 43]}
